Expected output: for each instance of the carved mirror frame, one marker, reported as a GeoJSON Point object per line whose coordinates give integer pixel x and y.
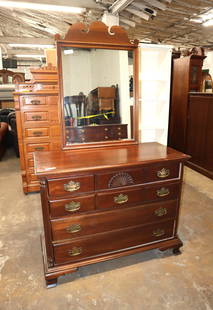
{"type": "Point", "coordinates": [98, 35]}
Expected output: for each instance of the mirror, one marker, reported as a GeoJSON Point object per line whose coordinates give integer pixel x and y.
{"type": "Point", "coordinates": [96, 90]}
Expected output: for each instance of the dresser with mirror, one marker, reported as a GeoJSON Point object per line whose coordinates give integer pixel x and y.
{"type": "Point", "coordinates": [104, 194]}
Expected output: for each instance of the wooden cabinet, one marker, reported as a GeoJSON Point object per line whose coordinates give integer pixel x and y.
{"type": "Point", "coordinates": [191, 114]}
{"type": "Point", "coordinates": [117, 206]}
{"type": "Point", "coordinates": [200, 133]}
{"type": "Point", "coordinates": [37, 122]}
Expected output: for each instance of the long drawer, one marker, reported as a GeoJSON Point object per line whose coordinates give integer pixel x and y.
{"type": "Point", "coordinates": [100, 244]}
{"type": "Point", "coordinates": [145, 174]}
{"type": "Point", "coordinates": [82, 225]}
{"type": "Point", "coordinates": [127, 197]}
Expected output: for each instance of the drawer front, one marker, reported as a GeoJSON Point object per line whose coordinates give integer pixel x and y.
{"type": "Point", "coordinates": [101, 244]}
{"type": "Point", "coordinates": [147, 174]}
{"type": "Point", "coordinates": [72, 206]}
{"type": "Point", "coordinates": [37, 132]}
{"type": "Point", "coordinates": [52, 100]}
{"type": "Point", "coordinates": [31, 175]}
{"type": "Point", "coordinates": [128, 197]}
{"type": "Point", "coordinates": [37, 147]}
{"type": "Point", "coordinates": [33, 100]}
{"type": "Point", "coordinates": [35, 116]}
{"type": "Point", "coordinates": [70, 186]}
{"type": "Point", "coordinates": [89, 224]}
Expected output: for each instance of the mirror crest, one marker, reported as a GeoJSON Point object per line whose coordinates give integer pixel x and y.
{"type": "Point", "coordinates": [97, 32]}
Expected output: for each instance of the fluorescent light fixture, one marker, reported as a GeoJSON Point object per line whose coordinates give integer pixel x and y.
{"type": "Point", "coordinates": [40, 6]}
{"type": "Point", "coordinates": [29, 56]}
{"type": "Point", "coordinates": [38, 46]}
{"type": "Point", "coordinates": [68, 52]}
{"type": "Point", "coordinates": [208, 23]}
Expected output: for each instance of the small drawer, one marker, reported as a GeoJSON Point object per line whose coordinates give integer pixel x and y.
{"type": "Point", "coordinates": [31, 176]}
{"type": "Point", "coordinates": [30, 162]}
{"type": "Point", "coordinates": [128, 197]}
{"type": "Point", "coordinates": [37, 132]}
{"type": "Point", "coordinates": [36, 116]}
{"type": "Point", "coordinates": [33, 100]}
{"type": "Point", "coordinates": [37, 147]}
{"type": "Point", "coordinates": [100, 222]}
{"type": "Point", "coordinates": [145, 174]}
{"type": "Point", "coordinates": [70, 186]}
{"type": "Point", "coordinates": [72, 206]}
{"type": "Point", "coordinates": [107, 243]}
{"type": "Point", "coordinates": [52, 100]}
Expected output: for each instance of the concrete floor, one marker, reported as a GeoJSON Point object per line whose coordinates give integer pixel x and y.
{"type": "Point", "coordinates": [145, 281]}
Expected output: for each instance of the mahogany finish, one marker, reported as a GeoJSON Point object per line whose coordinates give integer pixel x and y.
{"type": "Point", "coordinates": [106, 200]}
{"type": "Point", "coordinates": [37, 121]}
{"type": "Point", "coordinates": [191, 114]}
{"type": "Point", "coordinates": [200, 133]}
{"type": "Point", "coordinates": [87, 223]}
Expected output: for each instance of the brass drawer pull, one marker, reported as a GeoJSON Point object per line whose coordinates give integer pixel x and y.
{"type": "Point", "coordinates": [37, 133]}
{"type": "Point", "coordinates": [36, 117]}
{"type": "Point", "coordinates": [162, 192]}
{"type": "Point", "coordinates": [75, 251]}
{"type": "Point", "coordinates": [74, 228]}
{"type": "Point", "coordinates": [39, 148]}
{"type": "Point", "coordinates": [158, 232]}
{"type": "Point", "coordinates": [35, 102]}
{"type": "Point", "coordinates": [120, 199]}
{"type": "Point", "coordinates": [72, 186]}
{"type": "Point", "coordinates": [72, 206]}
{"type": "Point", "coordinates": [161, 211]}
{"type": "Point", "coordinates": [163, 173]}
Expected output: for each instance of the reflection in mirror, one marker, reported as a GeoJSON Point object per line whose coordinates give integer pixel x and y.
{"type": "Point", "coordinates": [97, 92]}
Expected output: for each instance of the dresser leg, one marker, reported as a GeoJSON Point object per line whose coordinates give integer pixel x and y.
{"type": "Point", "coordinates": [176, 251]}
{"type": "Point", "coordinates": [51, 282]}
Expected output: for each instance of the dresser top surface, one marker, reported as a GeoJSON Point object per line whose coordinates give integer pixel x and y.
{"type": "Point", "coordinates": [58, 162]}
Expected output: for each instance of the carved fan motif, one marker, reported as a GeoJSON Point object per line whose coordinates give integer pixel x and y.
{"type": "Point", "coordinates": [120, 179]}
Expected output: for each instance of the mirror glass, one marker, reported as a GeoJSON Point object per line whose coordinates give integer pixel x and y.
{"type": "Point", "coordinates": [97, 94]}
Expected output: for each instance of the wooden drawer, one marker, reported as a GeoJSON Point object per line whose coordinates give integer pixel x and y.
{"type": "Point", "coordinates": [70, 186]}
{"type": "Point", "coordinates": [33, 100]}
{"type": "Point", "coordinates": [31, 175]}
{"type": "Point", "coordinates": [146, 174]}
{"type": "Point", "coordinates": [89, 224]}
{"type": "Point", "coordinates": [52, 100]}
{"type": "Point", "coordinates": [122, 198]}
{"type": "Point", "coordinates": [37, 132]}
{"type": "Point", "coordinates": [72, 206]}
{"type": "Point", "coordinates": [107, 243]}
{"type": "Point", "coordinates": [36, 116]}
{"type": "Point", "coordinates": [37, 147]}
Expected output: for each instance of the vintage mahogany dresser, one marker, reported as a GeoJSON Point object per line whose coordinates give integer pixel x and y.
{"type": "Point", "coordinates": [104, 199]}
{"type": "Point", "coordinates": [37, 121]}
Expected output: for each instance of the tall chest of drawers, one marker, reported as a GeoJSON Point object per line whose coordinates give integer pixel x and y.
{"type": "Point", "coordinates": [38, 130]}
{"type": "Point", "coordinates": [107, 203]}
